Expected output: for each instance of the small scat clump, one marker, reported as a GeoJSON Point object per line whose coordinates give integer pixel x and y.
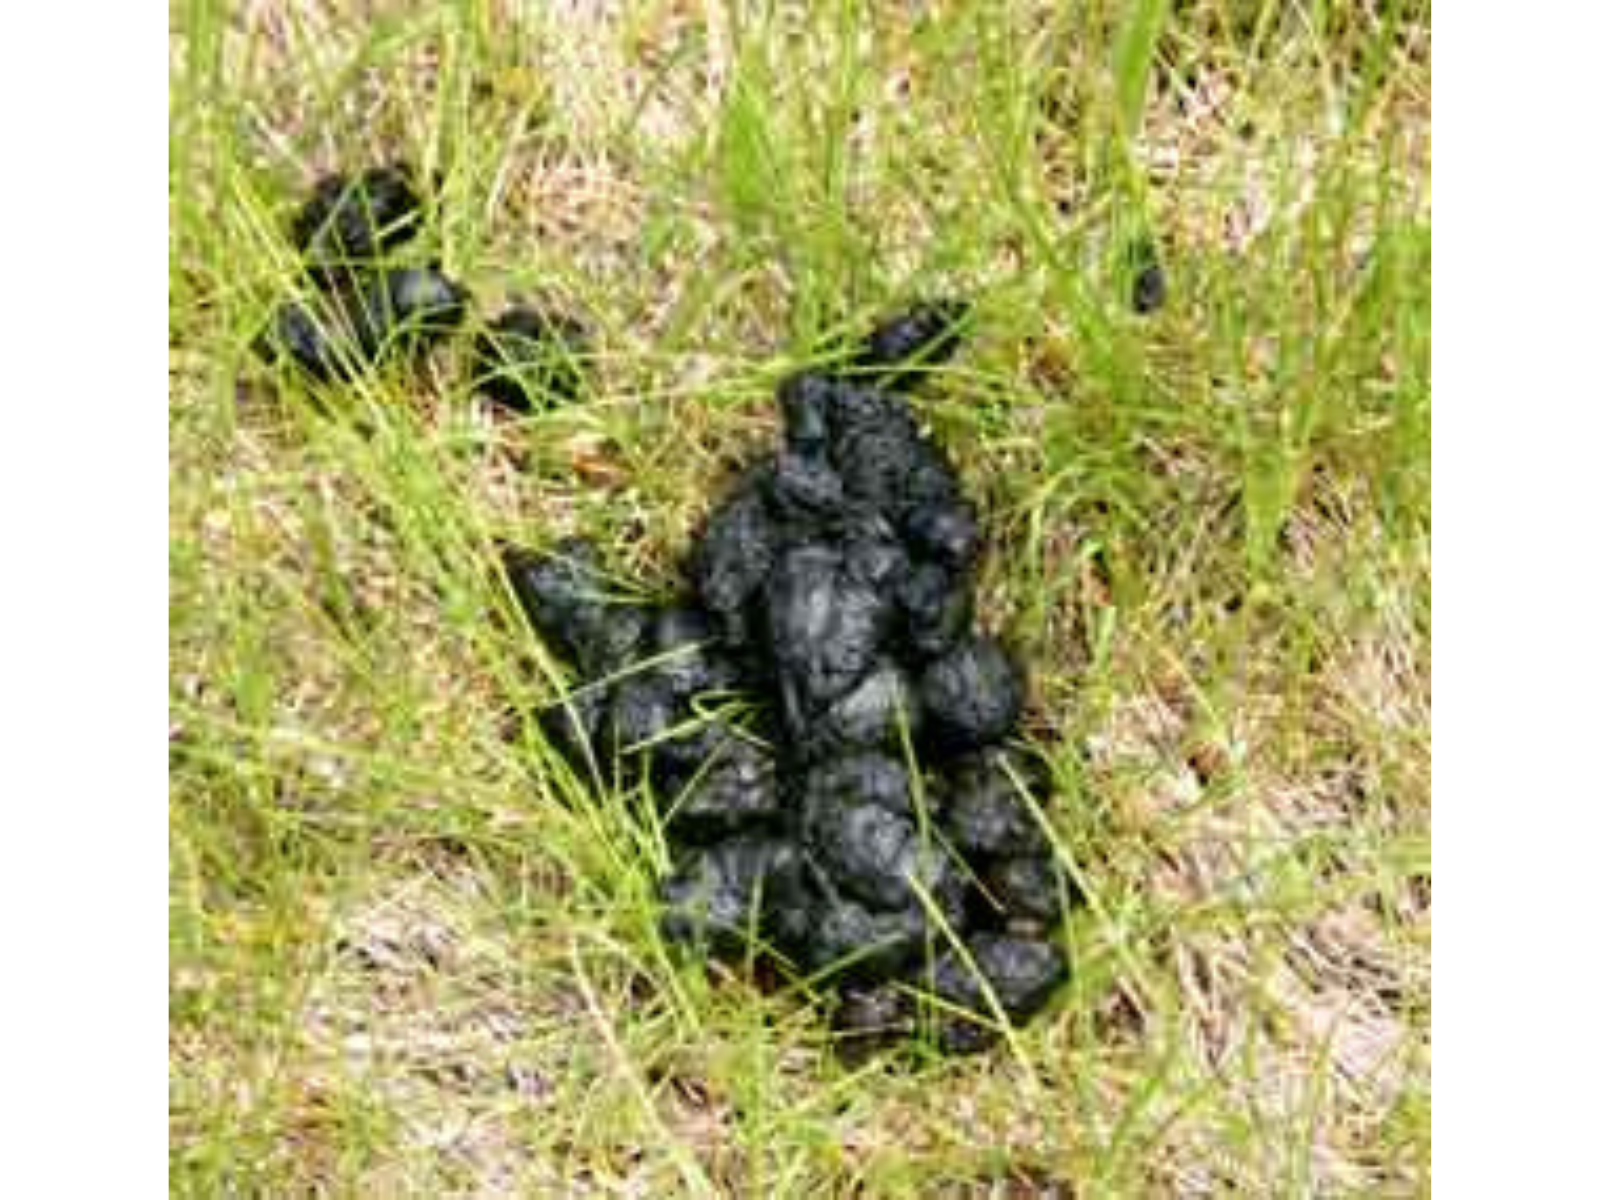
{"type": "Point", "coordinates": [768, 713]}
{"type": "Point", "coordinates": [898, 352]}
{"type": "Point", "coordinates": [348, 223]}
{"type": "Point", "coordinates": [366, 310]}
{"type": "Point", "coordinates": [531, 358]}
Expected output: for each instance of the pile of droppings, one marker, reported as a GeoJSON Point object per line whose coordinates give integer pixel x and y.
{"type": "Point", "coordinates": [859, 812]}
{"type": "Point", "coordinates": [826, 733]}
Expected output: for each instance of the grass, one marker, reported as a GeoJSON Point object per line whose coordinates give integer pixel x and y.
{"type": "Point", "coordinates": [412, 955]}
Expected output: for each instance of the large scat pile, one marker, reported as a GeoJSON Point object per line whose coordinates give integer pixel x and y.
{"type": "Point", "coordinates": [857, 812]}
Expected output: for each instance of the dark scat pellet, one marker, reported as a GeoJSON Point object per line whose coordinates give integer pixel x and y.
{"type": "Point", "coordinates": [1028, 889]}
{"type": "Point", "coordinates": [873, 1017]}
{"type": "Point", "coordinates": [805, 487]}
{"type": "Point", "coordinates": [685, 756]}
{"type": "Point", "coordinates": [572, 604]}
{"type": "Point", "coordinates": [946, 533]}
{"type": "Point", "coordinates": [348, 222]}
{"type": "Point", "coordinates": [731, 559]}
{"type": "Point", "coordinates": [721, 892]}
{"type": "Point", "coordinates": [888, 466]}
{"type": "Point", "coordinates": [530, 358]}
{"type": "Point", "coordinates": [878, 713]}
{"type": "Point", "coordinates": [319, 338]}
{"type": "Point", "coordinates": [804, 399]}
{"type": "Point", "coordinates": [852, 942]}
{"type": "Point", "coordinates": [343, 333]}
{"type": "Point", "coordinates": [881, 859]}
{"type": "Point", "coordinates": [972, 696]}
{"type": "Point", "coordinates": [686, 653]}
{"type": "Point", "coordinates": [737, 787]}
{"type": "Point", "coordinates": [1021, 973]}
{"type": "Point", "coordinates": [900, 350]}
{"type": "Point", "coordinates": [1149, 290]}
{"type": "Point", "coordinates": [572, 726]}
{"type": "Point", "coordinates": [643, 711]}
{"type": "Point", "coordinates": [406, 309]}
{"type": "Point", "coordinates": [936, 606]}
{"type": "Point", "coordinates": [987, 811]}
{"type": "Point", "coordinates": [369, 310]}
{"type": "Point", "coordinates": [826, 628]}
{"type": "Point", "coordinates": [879, 779]}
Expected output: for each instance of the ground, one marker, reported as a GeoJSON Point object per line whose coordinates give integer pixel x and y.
{"type": "Point", "coordinates": [409, 956]}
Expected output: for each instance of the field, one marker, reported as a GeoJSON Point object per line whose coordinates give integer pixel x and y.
{"type": "Point", "coordinates": [410, 957]}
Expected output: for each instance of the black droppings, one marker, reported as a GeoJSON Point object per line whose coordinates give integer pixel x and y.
{"type": "Point", "coordinates": [406, 309]}
{"type": "Point", "coordinates": [733, 556]}
{"type": "Point", "coordinates": [318, 337]}
{"type": "Point", "coordinates": [971, 696]}
{"type": "Point", "coordinates": [531, 358]}
{"type": "Point", "coordinates": [1028, 890]}
{"type": "Point", "coordinates": [642, 713]}
{"type": "Point", "coordinates": [987, 809]}
{"type": "Point", "coordinates": [686, 652]}
{"type": "Point", "coordinates": [857, 812]}
{"type": "Point", "coordinates": [871, 1018]}
{"type": "Point", "coordinates": [946, 532]}
{"type": "Point", "coordinates": [348, 222]}
{"type": "Point", "coordinates": [878, 713]}
{"type": "Point", "coordinates": [367, 309]}
{"type": "Point", "coordinates": [572, 603]}
{"type": "Point", "coordinates": [859, 780]}
{"type": "Point", "coordinates": [899, 351]}
{"type": "Point", "coordinates": [880, 857]}
{"type": "Point", "coordinates": [722, 893]}
{"type": "Point", "coordinates": [1149, 289]}
{"type": "Point", "coordinates": [806, 488]}
{"type": "Point", "coordinates": [572, 726]}
{"type": "Point", "coordinates": [1021, 974]}
{"type": "Point", "coordinates": [825, 627]}
{"type": "Point", "coordinates": [1149, 278]}
{"type": "Point", "coordinates": [805, 399]}
{"type": "Point", "coordinates": [844, 941]}
{"type": "Point", "coordinates": [936, 610]}
{"type": "Point", "coordinates": [737, 788]}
